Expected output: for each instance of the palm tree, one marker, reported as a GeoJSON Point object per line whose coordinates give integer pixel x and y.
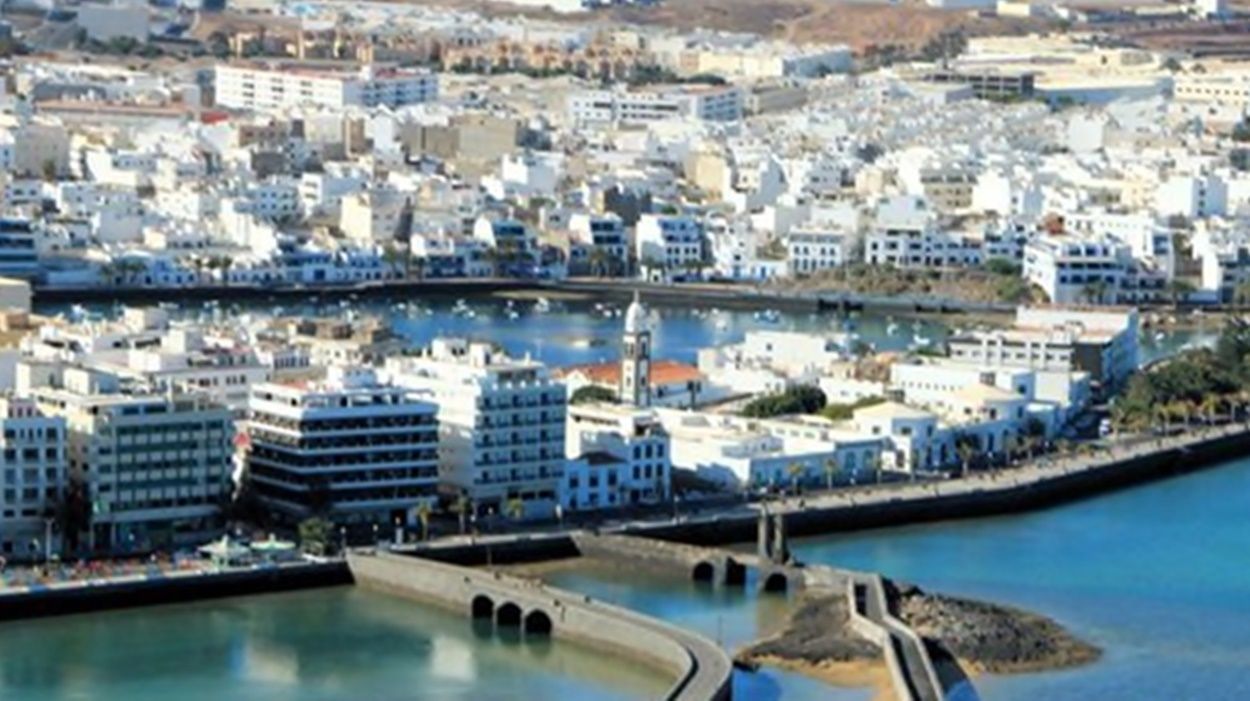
{"type": "Point", "coordinates": [461, 509]}
{"type": "Point", "coordinates": [394, 258]}
{"type": "Point", "coordinates": [515, 508]}
{"type": "Point", "coordinates": [1094, 291]}
{"type": "Point", "coordinates": [967, 447]}
{"type": "Point", "coordinates": [108, 273]}
{"type": "Point", "coordinates": [423, 516]}
{"type": "Point", "coordinates": [1178, 289]}
{"type": "Point", "coordinates": [873, 463]}
{"type": "Point", "coordinates": [831, 468]}
{"type": "Point", "coordinates": [1241, 294]}
{"type": "Point", "coordinates": [794, 470]}
{"type": "Point", "coordinates": [1208, 408]}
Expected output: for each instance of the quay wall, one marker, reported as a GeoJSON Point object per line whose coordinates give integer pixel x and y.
{"type": "Point", "coordinates": [701, 670]}
{"type": "Point", "coordinates": [987, 498]}
{"type": "Point", "coordinates": [178, 587]}
{"type": "Point", "coordinates": [681, 295]}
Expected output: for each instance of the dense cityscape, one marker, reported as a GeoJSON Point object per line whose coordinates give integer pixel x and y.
{"type": "Point", "coordinates": [702, 335]}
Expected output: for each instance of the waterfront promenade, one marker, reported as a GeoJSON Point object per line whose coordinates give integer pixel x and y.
{"type": "Point", "coordinates": [1044, 481]}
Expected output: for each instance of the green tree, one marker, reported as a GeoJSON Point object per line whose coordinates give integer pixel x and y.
{"type": "Point", "coordinates": [314, 535]}
{"type": "Point", "coordinates": [802, 399]}
{"type": "Point", "coordinates": [831, 469]}
{"type": "Point", "coordinates": [591, 394]}
{"type": "Point", "coordinates": [514, 508]}
{"type": "Point", "coordinates": [794, 471]}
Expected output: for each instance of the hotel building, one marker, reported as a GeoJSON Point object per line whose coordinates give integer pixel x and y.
{"type": "Point", "coordinates": [349, 448]}
{"type": "Point", "coordinates": [155, 465]}
{"type": "Point", "coordinates": [501, 423]}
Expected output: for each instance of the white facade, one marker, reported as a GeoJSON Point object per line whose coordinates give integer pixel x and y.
{"type": "Point", "coordinates": [618, 456]}
{"type": "Point", "coordinates": [501, 424]}
{"type": "Point", "coordinates": [33, 480]}
{"type": "Point", "coordinates": [156, 466]}
{"type": "Point", "coordinates": [1072, 269]}
{"type": "Point", "coordinates": [672, 241]}
{"type": "Point", "coordinates": [645, 106]}
{"type": "Point", "coordinates": [279, 87]}
{"type": "Point", "coordinates": [349, 449]}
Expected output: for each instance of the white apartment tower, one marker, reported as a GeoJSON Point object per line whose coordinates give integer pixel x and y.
{"type": "Point", "coordinates": [635, 386]}
{"type": "Point", "coordinates": [32, 480]}
{"type": "Point", "coordinates": [350, 449]}
{"type": "Point", "coordinates": [501, 424]}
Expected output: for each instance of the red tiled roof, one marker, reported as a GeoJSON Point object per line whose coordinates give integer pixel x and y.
{"type": "Point", "coordinates": [663, 372]}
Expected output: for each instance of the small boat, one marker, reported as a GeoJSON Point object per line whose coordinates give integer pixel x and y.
{"type": "Point", "coordinates": [542, 306]}
{"type": "Point", "coordinates": [770, 316]}
{"type": "Point", "coordinates": [1160, 336]}
{"type": "Point", "coordinates": [921, 341]}
{"type": "Point", "coordinates": [513, 314]}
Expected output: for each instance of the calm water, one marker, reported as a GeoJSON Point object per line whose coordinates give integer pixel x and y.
{"type": "Point", "coordinates": [327, 645]}
{"type": "Point", "coordinates": [581, 332]}
{"type": "Point", "coordinates": [733, 617]}
{"type": "Point", "coordinates": [1158, 576]}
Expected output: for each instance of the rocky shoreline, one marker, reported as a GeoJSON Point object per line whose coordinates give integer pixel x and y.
{"type": "Point", "coordinates": [987, 637]}
{"type": "Point", "coordinates": [966, 637]}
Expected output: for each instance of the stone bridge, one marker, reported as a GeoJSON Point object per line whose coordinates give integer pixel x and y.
{"type": "Point", "coordinates": [700, 669]}
{"type": "Point", "coordinates": [710, 565]}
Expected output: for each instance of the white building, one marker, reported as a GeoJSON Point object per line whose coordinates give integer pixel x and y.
{"type": "Point", "coordinates": [670, 242]}
{"type": "Point", "coordinates": [155, 466]}
{"type": "Point", "coordinates": [501, 424]}
{"type": "Point", "coordinates": [1100, 342]}
{"type": "Point", "coordinates": [811, 249]}
{"type": "Point", "coordinates": [1072, 268]}
{"type": "Point", "coordinates": [280, 86]}
{"type": "Point", "coordinates": [349, 449]}
{"type": "Point", "coordinates": [710, 103]}
{"type": "Point", "coordinates": [618, 456]}
{"type": "Point", "coordinates": [33, 480]}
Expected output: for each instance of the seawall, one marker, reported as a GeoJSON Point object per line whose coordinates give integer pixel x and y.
{"type": "Point", "coordinates": [177, 587]}
{"type": "Point", "coordinates": [1006, 492]}
{"type": "Point", "coordinates": [732, 296]}
{"type": "Point", "coordinates": [700, 669]}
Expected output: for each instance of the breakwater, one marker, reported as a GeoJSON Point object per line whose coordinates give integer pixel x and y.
{"type": "Point", "coordinates": [83, 596]}
{"type": "Point", "coordinates": [700, 669]}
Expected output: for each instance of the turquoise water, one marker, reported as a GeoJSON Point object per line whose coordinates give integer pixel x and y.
{"type": "Point", "coordinates": [327, 645]}
{"type": "Point", "coordinates": [1157, 576]}
{"type": "Point", "coordinates": [731, 616]}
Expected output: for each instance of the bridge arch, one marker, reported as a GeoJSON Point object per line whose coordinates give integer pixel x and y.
{"type": "Point", "coordinates": [775, 581]}
{"type": "Point", "coordinates": [704, 571]}
{"type": "Point", "coordinates": [537, 622]}
{"type": "Point", "coordinates": [508, 615]}
{"type": "Point", "coordinates": [482, 607]}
